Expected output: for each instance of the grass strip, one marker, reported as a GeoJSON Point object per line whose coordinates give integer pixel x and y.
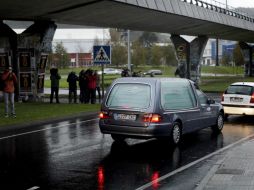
{"type": "Point", "coordinates": [35, 111]}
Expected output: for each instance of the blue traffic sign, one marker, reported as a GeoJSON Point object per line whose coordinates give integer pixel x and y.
{"type": "Point", "coordinates": [102, 54]}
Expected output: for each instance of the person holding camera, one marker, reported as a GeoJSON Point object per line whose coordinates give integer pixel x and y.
{"type": "Point", "coordinates": [72, 80]}
{"type": "Point", "coordinates": [55, 78]}
{"type": "Point", "coordinates": [10, 81]}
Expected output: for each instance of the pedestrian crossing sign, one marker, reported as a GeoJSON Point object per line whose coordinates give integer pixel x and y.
{"type": "Point", "coordinates": [102, 54]}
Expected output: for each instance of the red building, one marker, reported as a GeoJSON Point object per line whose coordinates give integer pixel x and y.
{"type": "Point", "coordinates": [80, 59]}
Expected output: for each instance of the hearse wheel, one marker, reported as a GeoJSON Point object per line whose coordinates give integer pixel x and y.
{"type": "Point", "coordinates": [176, 134]}
{"type": "Point", "coordinates": [219, 123]}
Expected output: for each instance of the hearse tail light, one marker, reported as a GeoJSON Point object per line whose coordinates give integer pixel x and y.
{"type": "Point", "coordinates": [252, 98]}
{"type": "Point", "coordinates": [152, 118]}
{"type": "Point", "coordinates": [103, 115]}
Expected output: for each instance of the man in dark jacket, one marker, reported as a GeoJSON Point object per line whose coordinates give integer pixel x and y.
{"type": "Point", "coordinates": [82, 86]}
{"type": "Point", "coordinates": [54, 77]}
{"type": "Point", "coordinates": [72, 80]}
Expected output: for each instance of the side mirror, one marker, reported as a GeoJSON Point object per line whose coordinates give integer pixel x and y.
{"type": "Point", "coordinates": [210, 101]}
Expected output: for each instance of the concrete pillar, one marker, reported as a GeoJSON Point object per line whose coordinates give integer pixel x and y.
{"type": "Point", "coordinates": [189, 56]}
{"type": "Point", "coordinates": [182, 48]}
{"type": "Point", "coordinates": [197, 47]}
{"type": "Point", "coordinates": [8, 46]}
{"type": "Point", "coordinates": [28, 53]}
{"type": "Point", "coordinates": [247, 51]}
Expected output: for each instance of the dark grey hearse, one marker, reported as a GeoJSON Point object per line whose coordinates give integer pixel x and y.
{"type": "Point", "coordinates": [157, 108]}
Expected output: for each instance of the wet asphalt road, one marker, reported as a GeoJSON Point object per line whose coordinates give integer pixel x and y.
{"type": "Point", "coordinates": [75, 155]}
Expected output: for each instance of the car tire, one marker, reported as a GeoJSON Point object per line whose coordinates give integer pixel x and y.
{"type": "Point", "coordinates": [225, 117]}
{"type": "Point", "coordinates": [176, 134]}
{"type": "Point", "coordinates": [219, 123]}
{"type": "Point", "coordinates": [118, 137]}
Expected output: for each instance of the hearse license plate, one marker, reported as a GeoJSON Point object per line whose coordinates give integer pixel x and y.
{"type": "Point", "coordinates": [236, 99]}
{"type": "Point", "coordinates": [125, 117]}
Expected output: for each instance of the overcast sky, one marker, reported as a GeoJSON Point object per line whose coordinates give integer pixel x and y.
{"type": "Point", "coordinates": [81, 34]}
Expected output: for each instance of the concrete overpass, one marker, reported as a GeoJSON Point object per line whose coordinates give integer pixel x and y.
{"type": "Point", "coordinates": [177, 17]}
{"type": "Point", "coordinates": [167, 16]}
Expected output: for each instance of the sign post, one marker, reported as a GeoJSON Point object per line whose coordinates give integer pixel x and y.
{"type": "Point", "coordinates": [102, 55]}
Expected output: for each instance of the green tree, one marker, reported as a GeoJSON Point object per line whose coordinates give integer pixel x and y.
{"type": "Point", "coordinates": [169, 55]}
{"type": "Point", "coordinates": [119, 49]}
{"type": "Point", "coordinates": [119, 54]}
{"type": "Point", "coordinates": [115, 36]}
{"type": "Point", "coordinates": [139, 54]}
{"type": "Point", "coordinates": [144, 50]}
{"type": "Point", "coordinates": [156, 55]}
{"type": "Point", "coordinates": [226, 59]}
{"type": "Point", "coordinates": [147, 39]}
{"type": "Point", "coordinates": [62, 57]}
{"type": "Point", "coordinates": [163, 55]}
{"type": "Point", "coordinates": [238, 56]}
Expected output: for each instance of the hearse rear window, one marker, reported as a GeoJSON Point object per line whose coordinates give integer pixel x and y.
{"type": "Point", "coordinates": [135, 96]}
{"type": "Point", "coordinates": [177, 95]}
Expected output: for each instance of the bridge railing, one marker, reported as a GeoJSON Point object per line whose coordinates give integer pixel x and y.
{"type": "Point", "coordinates": [220, 8]}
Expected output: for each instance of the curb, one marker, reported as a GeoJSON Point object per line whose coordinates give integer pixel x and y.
{"type": "Point", "coordinates": [85, 115]}
{"type": "Point", "coordinates": [210, 174]}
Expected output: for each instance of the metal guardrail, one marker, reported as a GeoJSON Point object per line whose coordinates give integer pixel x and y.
{"type": "Point", "coordinates": [220, 8]}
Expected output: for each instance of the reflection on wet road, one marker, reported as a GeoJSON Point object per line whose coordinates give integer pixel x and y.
{"type": "Point", "coordinates": [75, 155]}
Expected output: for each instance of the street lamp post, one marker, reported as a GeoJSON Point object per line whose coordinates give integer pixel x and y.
{"type": "Point", "coordinates": [129, 53]}
{"type": "Point", "coordinates": [62, 61]}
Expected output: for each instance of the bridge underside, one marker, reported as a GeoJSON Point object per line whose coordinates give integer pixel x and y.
{"type": "Point", "coordinates": [119, 15]}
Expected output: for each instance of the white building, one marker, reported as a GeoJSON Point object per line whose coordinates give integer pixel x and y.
{"type": "Point", "coordinates": [80, 40]}
{"type": "Point", "coordinates": [209, 56]}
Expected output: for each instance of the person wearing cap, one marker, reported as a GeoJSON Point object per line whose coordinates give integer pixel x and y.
{"type": "Point", "coordinates": [10, 80]}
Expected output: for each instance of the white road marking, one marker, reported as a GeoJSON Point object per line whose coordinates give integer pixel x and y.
{"type": "Point", "coordinates": [193, 163]}
{"type": "Point", "coordinates": [33, 188]}
{"type": "Point", "coordinates": [48, 128]}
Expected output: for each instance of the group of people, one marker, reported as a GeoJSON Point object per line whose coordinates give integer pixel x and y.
{"type": "Point", "coordinates": [88, 81]}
